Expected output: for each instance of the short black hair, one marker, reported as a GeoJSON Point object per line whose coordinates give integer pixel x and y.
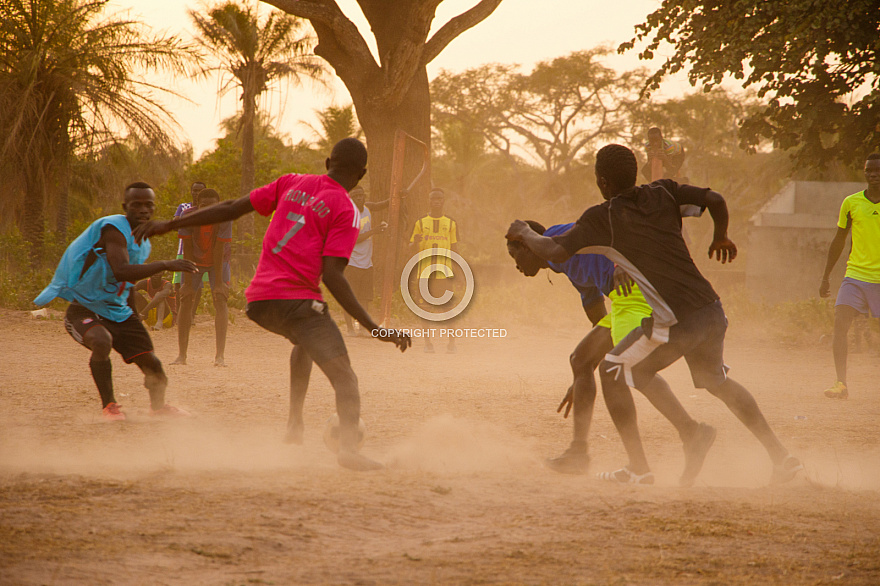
{"type": "Point", "coordinates": [618, 165]}
{"type": "Point", "coordinates": [873, 157]}
{"type": "Point", "coordinates": [194, 183]}
{"type": "Point", "coordinates": [655, 129]}
{"type": "Point", "coordinates": [437, 190]}
{"type": "Point", "coordinates": [357, 189]}
{"type": "Point", "coordinates": [209, 194]}
{"type": "Point", "coordinates": [349, 154]}
{"type": "Point", "coordinates": [138, 185]}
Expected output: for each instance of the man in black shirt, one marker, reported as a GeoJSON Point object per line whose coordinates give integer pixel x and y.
{"type": "Point", "coordinates": [639, 228]}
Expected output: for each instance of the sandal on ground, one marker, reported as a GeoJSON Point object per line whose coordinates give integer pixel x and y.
{"type": "Point", "coordinates": [627, 476]}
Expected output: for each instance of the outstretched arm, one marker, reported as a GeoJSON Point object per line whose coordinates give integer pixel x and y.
{"type": "Point", "coordinates": [225, 211]}
{"type": "Point", "coordinates": [722, 246]}
{"type": "Point", "coordinates": [375, 206]}
{"type": "Point", "coordinates": [543, 246]}
{"type": "Point", "coordinates": [337, 284]}
{"type": "Point", "coordinates": [158, 299]}
{"type": "Point", "coordinates": [117, 257]}
{"type": "Point", "coordinates": [834, 252]}
{"type": "Point", "coordinates": [372, 232]}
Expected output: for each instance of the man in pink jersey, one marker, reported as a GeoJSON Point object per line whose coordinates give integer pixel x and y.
{"type": "Point", "coordinates": [310, 238]}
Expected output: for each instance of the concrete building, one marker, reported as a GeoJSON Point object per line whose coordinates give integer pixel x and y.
{"type": "Point", "coordinates": [789, 238]}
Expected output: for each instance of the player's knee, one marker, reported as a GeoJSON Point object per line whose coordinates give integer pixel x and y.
{"type": "Point", "coordinates": [220, 298]}
{"type": "Point", "coordinates": [150, 364]}
{"type": "Point", "coordinates": [100, 342]}
{"type": "Point", "coordinates": [582, 361]}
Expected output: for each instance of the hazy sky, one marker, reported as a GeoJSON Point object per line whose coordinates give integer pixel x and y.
{"type": "Point", "coordinates": [519, 31]}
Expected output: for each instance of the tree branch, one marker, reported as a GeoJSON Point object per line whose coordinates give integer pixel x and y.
{"type": "Point", "coordinates": [339, 41]}
{"type": "Point", "coordinates": [455, 27]}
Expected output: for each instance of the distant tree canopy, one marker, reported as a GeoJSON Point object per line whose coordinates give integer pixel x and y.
{"type": "Point", "coordinates": [814, 62]}
{"type": "Point", "coordinates": [706, 123]}
{"type": "Point", "coordinates": [552, 114]}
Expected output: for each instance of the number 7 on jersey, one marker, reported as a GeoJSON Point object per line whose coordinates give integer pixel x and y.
{"type": "Point", "coordinates": [298, 222]}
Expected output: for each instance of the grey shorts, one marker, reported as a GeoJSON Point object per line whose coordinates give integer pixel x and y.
{"type": "Point", "coordinates": [862, 296]}
{"type": "Point", "coordinates": [699, 338]}
{"type": "Point", "coordinates": [305, 322]}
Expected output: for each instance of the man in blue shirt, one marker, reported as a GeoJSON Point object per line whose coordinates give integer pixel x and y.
{"type": "Point", "coordinates": [594, 277]}
{"type": "Point", "coordinates": [96, 274]}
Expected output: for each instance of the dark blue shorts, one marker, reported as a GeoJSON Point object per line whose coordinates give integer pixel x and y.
{"type": "Point", "coordinates": [305, 322]}
{"type": "Point", "coordinates": [647, 350]}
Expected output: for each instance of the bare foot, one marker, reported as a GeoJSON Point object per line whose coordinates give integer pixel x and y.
{"type": "Point", "coordinates": [294, 434]}
{"type": "Point", "coordinates": [695, 450]}
{"type": "Point", "coordinates": [357, 462]}
{"type": "Point", "coordinates": [179, 361]}
{"type": "Point", "coordinates": [219, 361]}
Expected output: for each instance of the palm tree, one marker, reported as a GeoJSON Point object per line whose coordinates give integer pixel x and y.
{"type": "Point", "coordinates": [337, 122]}
{"type": "Point", "coordinates": [251, 55]}
{"type": "Point", "coordinates": [67, 84]}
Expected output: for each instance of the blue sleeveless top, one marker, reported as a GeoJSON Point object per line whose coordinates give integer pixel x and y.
{"type": "Point", "coordinates": [96, 289]}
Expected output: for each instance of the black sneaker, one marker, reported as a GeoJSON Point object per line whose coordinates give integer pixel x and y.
{"type": "Point", "coordinates": [572, 461]}
{"type": "Point", "coordinates": [695, 450]}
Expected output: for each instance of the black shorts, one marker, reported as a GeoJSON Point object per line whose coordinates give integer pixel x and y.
{"type": "Point", "coordinates": [699, 337]}
{"type": "Point", "coordinates": [130, 337]}
{"type": "Point", "coordinates": [305, 322]}
{"type": "Point", "coordinates": [361, 281]}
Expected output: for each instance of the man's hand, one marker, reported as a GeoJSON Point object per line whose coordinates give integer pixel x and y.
{"type": "Point", "coordinates": [151, 228]}
{"type": "Point", "coordinates": [396, 337]}
{"type": "Point", "coordinates": [724, 249]}
{"type": "Point", "coordinates": [622, 282]}
{"type": "Point", "coordinates": [517, 231]}
{"type": "Point", "coordinates": [567, 402]}
{"type": "Point", "coordinates": [824, 288]}
{"type": "Point", "coordinates": [181, 265]}
{"type": "Point", "coordinates": [417, 237]}
{"type": "Point", "coordinates": [382, 227]}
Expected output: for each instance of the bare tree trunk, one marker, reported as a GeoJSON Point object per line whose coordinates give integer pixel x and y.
{"type": "Point", "coordinates": [62, 186]}
{"type": "Point", "coordinates": [245, 225]}
{"type": "Point", "coordinates": [33, 220]}
{"type": "Point", "coordinates": [379, 124]}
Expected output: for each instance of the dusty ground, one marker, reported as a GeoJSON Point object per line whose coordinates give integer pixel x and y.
{"type": "Point", "coordinates": [219, 499]}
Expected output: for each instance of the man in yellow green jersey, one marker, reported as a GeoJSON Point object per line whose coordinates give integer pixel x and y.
{"type": "Point", "coordinates": [860, 290]}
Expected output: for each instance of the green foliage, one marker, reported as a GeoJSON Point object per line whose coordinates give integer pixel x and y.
{"type": "Point", "coordinates": [706, 123]}
{"type": "Point", "coordinates": [790, 322]}
{"type": "Point", "coordinates": [814, 64]}
{"type": "Point", "coordinates": [67, 85]}
{"type": "Point", "coordinates": [511, 144]}
{"type": "Point", "coordinates": [252, 52]}
{"type": "Point", "coordinates": [551, 115]}
{"type": "Point", "coordinates": [337, 122]}
{"type": "Point", "coordinates": [20, 282]}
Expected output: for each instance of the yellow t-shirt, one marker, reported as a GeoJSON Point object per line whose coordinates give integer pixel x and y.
{"type": "Point", "coordinates": [864, 259]}
{"type": "Point", "coordinates": [439, 233]}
